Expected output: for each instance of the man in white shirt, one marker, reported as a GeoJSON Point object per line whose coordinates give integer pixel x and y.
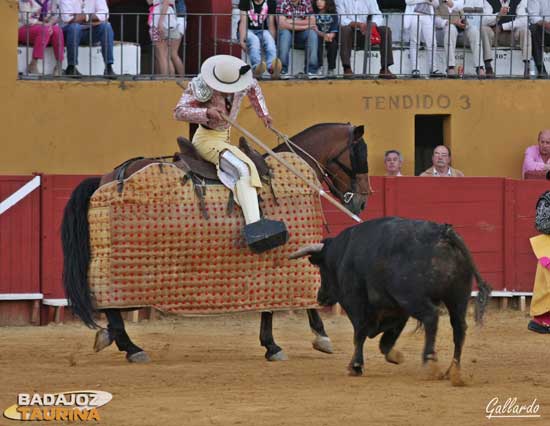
{"type": "Point", "coordinates": [421, 22]}
{"type": "Point", "coordinates": [393, 160]}
{"type": "Point", "coordinates": [464, 15]}
{"type": "Point", "coordinates": [539, 18]}
{"type": "Point", "coordinates": [353, 27]}
{"type": "Point", "coordinates": [86, 21]}
{"type": "Point", "coordinates": [508, 19]}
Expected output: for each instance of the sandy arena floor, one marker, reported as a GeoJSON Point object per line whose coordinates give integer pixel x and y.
{"type": "Point", "coordinates": [212, 371]}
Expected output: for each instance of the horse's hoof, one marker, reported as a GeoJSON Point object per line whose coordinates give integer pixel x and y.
{"type": "Point", "coordinates": [395, 357]}
{"type": "Point", "coordinates": [355, 370]}
{"type": "Point", "coordinates": [279, 356]}
{"type": "Point", "coordinates": [139, 357]}
{"type": "Point", "coordinates": [323, 344]}
{"type": "Point", "coordinates": [102, 339]}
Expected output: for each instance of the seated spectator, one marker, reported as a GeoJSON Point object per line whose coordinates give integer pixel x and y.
{"type": "Point", "coordinates": [393, 160]}
{"type": "Point", "coordinates": [38, 28]}
{"type": "Point", "coordinates": [166, 31]}
{"type": "Point", "coordinates": [257, 30]}
{"type": "Point", "coordinates": [465, 16]}
{"type": "Point", "coordinates": [539, 17]}
{"type": "Point", "coordinates": [540, 302]}
{"type": "Point", "coordinates": [297, 22]}
{"type": "Point", "coordinates": [327, 31]}
{"type": "Point", "coordinates": [85, 21]}
{"type": "Point", "coordinates": [536, 163]}
{"type": "Point", "coordinates": [441, 164]}
{"type": "Point", "coordinates": [354, 15]}
{"type": "Point", "coordinates": [420, 22]}
{"type": "Point", "coordinates": [506, 23]}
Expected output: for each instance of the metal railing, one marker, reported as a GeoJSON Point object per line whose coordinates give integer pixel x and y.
{"type": "Point", "coordinates": [138, 54]}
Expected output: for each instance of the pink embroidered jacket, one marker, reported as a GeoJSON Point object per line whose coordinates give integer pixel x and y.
{"type": "Point", "coordinates": [193, 111]}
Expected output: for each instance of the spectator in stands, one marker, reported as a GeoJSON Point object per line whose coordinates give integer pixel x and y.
{"type": "Point", "coordinates": [539, 17]}
{"type": "Point", "coordinates": [441, 164]}
{"type": "Point", "coordinates": [257, 30]}
{"type": "Point", "coordinates": [174, 45]}
{"type": "Point", "coordinates": [393, 160]}
{"type": "Point", "coordinates": [38, 28]}
{"type": "Point", "coordinates": [540, 302]}
{"type": "Point", "coordinates": [84, 22]}
{"type": "Point", "coordinates": [420, 21]}
{"type": "Point", "coordinates": [166, 32]}
{"type": "Point", "coordinates": [507, 22]}
{"type": "Point", "coordinates": [297, 22]}
{"type": "Point", "coordinates": [327, 31]}
{"type": "Point", "coordinates": [536, 163]}
{"type": "Point", "coordinates": [354, 25]}
{"type": "Point", "coordinates": [464, 16]}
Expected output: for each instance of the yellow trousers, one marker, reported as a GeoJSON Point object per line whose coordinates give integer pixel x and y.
{"type": "Point", "coordinates": [540, 303]}
{"type": "Point", "coordinates": [211, 143]}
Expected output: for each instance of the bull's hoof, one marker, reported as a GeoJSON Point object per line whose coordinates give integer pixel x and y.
{"type": "Point", "coordinates": [323, 344]}
{"type": "Point", "coordinates": [355, 369]}
{"type": "Point", "coordinates": [279, 356]}
{"type": "Point", "coordinates": [395, 357]}
{"type": "Point", "coordinates": [139, 358]}
{"type": "Point", "coordinates": [102, 339]}
{"type": "Point", "coordinates": [433, 372]}
{"type": "Point", "coordinates": [453, 373]}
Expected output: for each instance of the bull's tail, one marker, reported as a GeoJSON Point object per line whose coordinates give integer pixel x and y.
{"type": "Point", "coordinates": [75, 238]}
{"type": "Point", "coordinates": [484, 288]}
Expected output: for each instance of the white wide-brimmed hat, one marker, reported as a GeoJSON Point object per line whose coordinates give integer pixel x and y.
{"type": "Point", "coordinates": [226, 73]}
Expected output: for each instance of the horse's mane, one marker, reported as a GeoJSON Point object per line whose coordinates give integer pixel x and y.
{"type": "Point", "coordinates": [315, 127]}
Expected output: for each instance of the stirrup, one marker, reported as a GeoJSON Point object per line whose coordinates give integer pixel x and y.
{"type": "Point", "coordinates": [265, 234]}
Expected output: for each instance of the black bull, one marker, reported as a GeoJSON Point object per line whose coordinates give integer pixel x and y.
{"type": "Point", "coordinates": [386, 270]}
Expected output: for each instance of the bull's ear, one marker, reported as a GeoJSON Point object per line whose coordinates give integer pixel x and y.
{"type": "Point", "coordinates": [358, 132]}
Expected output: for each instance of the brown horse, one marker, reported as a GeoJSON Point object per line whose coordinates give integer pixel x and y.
{"type": "Point", "coordinates": [337, 152]}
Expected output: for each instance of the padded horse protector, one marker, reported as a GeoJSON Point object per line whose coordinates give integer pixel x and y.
{"type": "Point", "coordinates": [150, 245]}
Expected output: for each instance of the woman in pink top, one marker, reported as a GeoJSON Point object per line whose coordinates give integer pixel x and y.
{"type": "Point", "coordinates": [38, 28]}
{"type": "Point", "coordinates": [536, 163]}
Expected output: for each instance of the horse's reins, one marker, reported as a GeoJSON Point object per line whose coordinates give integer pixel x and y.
{"type": "Point", "coordinates": [292, 169]}
{"type": "Point", "coordinates": [292, 146]}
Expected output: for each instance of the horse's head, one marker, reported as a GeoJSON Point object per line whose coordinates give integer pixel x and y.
{"type": "Point", "coordinates": [338, 154]}
{"type": "Point", "coordinates": [348, 169]}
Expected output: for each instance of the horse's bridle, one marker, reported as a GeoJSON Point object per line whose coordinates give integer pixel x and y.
{"type": "Point", "coordinates": [329, 177]}
{"type": "Point", "coordinates": [358, 166]}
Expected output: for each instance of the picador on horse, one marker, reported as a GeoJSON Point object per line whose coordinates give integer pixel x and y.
{"type": "Point", "coordinates": [219, 89]}
{"type": "Point", "coordinates": [165, 234]}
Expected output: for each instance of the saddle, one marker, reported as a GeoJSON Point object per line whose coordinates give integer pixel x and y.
{"type": "Point", "coordinates": [188, 159]}
{"type": "Point", "coordinates": [202, 173]}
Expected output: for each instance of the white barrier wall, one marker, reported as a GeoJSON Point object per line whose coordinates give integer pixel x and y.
{"type": "Point", "coordinates": [127, 58]}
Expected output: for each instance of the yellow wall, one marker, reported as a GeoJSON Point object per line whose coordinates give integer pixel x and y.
{"type": "Point", "coordinates": [78, 127]}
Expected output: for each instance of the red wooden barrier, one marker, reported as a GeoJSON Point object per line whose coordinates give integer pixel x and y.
{"type": "Point", "coordinates": [19, 253]}
{"type": "Point", "coordinates": [19, 240]}
{"type": "Point", "coordinates": [521, 257]}
{"type": "Point", "coordinates": [56, 191]}
{"type": "Point", "coordinates": [494, 215]}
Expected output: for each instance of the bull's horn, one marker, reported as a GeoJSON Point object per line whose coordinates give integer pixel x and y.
{"type": "Point", "coordinates": [307, 250]}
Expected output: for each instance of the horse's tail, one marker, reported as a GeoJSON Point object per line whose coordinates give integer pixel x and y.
{"type": "Point", "coordinates": [484, 288]}
{"type": "Point", "coordinates": [75, 237]}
